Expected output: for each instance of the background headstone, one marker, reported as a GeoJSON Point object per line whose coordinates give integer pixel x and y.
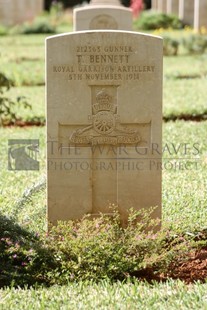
{"type": "Point", "coordinates": [104, 118]}
{"type": "Point", "coordinates": [162, 6]}
{"type": "Point", "coordinates": [105, 2]}
{"type": "Point", "coordinates": [154, 4]}
{"type": "Point", "coordinates": [173, 7]}
{"type": "Point", "coordinates": [100, 15]}
{"type": "Point", "coordinates": [200, 14]}
{"type": "Point", "coordinates": [191, 12]}
{"type": "Point", "coordinates": [14, 12]}
{"type": "Point", "coordinates": [186, 11]}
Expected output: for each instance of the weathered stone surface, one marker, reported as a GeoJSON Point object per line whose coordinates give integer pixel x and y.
{"type": "Point", "coordinates": [104, 116]}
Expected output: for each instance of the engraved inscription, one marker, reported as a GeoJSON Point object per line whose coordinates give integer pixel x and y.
{"type": "Point", "coordinates": [103, 59]}
{"type": "Point", "coordinates": [103, 22]}
{"type": "Point", "coordinates": [105, 127]}
{"type": "Point", "coordinates": [105, 63]}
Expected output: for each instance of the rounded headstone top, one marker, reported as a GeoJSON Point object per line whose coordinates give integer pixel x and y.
{"type": "Point", "coordinates": [105, 2]}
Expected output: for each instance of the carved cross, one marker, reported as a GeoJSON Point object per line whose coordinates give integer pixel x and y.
{"type": "Point", "coordinates": [105, 130]}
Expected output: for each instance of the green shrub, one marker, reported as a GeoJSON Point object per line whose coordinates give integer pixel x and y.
{"type": "Point", "coordinates": [3, 30]}
{"type": "Point", "coordinates": [40, 25]}
{"type": "Point", "coordinates": [153, 20]}
{"type": "Point", "coordinates": [195, 44]}
{"type": "Point", "coordinates": [8, 107]}
{"type": "Point", "coordinates": [170, 46]}
{"type": "Point", "coordinates": [56, 10]}
{"type": "Point", "coordinates": [90, 249]}
{"type": "Point", "coordinates": [102, 248]}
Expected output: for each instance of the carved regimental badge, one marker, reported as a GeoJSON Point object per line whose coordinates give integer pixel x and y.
{"type": "Point", "coordinates": [103, 22]}
{"type": "Point", "coordinates": [105, 127]}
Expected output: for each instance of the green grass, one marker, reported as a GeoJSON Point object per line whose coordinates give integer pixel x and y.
{"type": "Point", "coordinates": [22, 58]}
{"type": "Point", "coordinates": [117, 296]}
{"type": "Point", "coordinates": [35, 96]}
{"type": "Point", "coordinates": [185, 66]}
{"type": "Point", "coordinates": [24, 73]}
{"type": "Point", "coordinates": [184, 97]}
{"type": "Point", "coordinates": [184, 191]}
{"type": "Point", "coordinates": [16, 182]}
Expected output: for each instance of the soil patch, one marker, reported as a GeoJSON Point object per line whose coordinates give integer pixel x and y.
{"type": "Point", "coordinates": [190, 270]}
{"type": "Point", "coordinates": [194, 268]}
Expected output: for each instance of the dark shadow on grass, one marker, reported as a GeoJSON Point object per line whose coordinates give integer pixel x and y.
{"type": "Point", "coordinates": [186, 117]}
{"type": "Point", "coordinates": [23, 258]}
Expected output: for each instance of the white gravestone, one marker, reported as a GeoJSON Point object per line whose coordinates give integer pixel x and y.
{"type": "Point", "coordinates": [105, 2]}
{"type": "Point", "coordinates": [104, 123]}
{"type": "Point", "coordinates": [186, 11]}
{"type": "Point", "coordinates": [102, 15]}
{"type": "Point", "coordinates": [154, 4]}
{"type": "Point", "coordinates": [14, 12]}
{"type": "Point", "coordinates": [200, 14]}
{"type": "Point", "coordinates": [162, 6]}
{"type": "Point", "coordinates": [173, 7]}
